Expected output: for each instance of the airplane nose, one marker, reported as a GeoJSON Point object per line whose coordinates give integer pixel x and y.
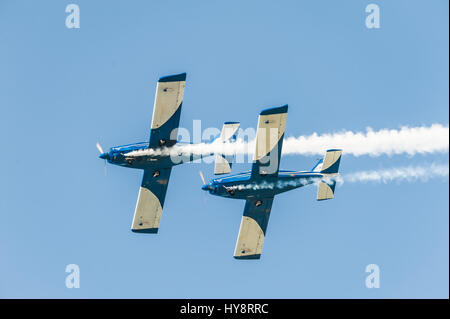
{"type": "Point", "coordinates": [104, 156]}
{"type": "Point", "coordinates": [207, 187]}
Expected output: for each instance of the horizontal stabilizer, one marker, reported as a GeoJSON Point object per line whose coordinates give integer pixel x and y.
{"type": "Point", "coordinates": [326, 190]}
{"type": "Point", "coordinates": [223, 162]}
{"type": "Point", "coordinates": [329, 167]}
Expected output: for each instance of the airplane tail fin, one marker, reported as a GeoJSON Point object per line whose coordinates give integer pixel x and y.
{"type": "Point", "coordinates": [331, 162]}
{"type": "Point", "coordinates": [318, 166]}
{"type": "Point", "coordinates": [223, 162]}
{"type": "Point", "coordinates": [329, 167]}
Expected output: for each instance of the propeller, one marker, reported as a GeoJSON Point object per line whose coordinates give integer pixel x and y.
{"type": "Point", "coordinates": [205, 195]}
{"type": "Point", "coordinates": [202, 177]}
{"type": "Point", "coordinates": [100, 149]}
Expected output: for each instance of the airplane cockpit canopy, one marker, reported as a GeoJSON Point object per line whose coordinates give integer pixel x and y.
{"type": "Point", "coordinates": [130, 147]}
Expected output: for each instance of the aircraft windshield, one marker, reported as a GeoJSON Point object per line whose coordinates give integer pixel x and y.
{"type": "Point", "coordinates": [130, 147]}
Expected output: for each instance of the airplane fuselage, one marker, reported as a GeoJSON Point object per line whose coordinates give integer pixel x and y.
{"type": "Point", "coordinates": [243, 186]}
{"type": "Point", "coordinates": [142, 157]}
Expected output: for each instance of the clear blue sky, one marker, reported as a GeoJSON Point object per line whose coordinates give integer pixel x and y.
{"type": "Point", "coordinates": [62, 90]}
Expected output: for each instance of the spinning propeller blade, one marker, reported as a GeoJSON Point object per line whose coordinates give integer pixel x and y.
{"type": "Point", "coordinates": [100, 149]}
{"type": "Point", "coordinates": [202, 177]}
{"type": "Point", "coordinates": [205, 195]}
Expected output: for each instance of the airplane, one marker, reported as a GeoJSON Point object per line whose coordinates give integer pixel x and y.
{"type": "Point", "coordinates": [157, 166]}
{"type": "Point", "coordinates": [259, 186]}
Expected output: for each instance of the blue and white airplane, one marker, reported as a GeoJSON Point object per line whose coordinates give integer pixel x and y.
{"type": "Point", "coordinates": [157, 166]}
{"type": "Point", "coordinates": [260, 185]}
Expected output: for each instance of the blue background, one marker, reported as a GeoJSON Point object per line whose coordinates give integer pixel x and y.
{"type": "Point", "coordinates": [62, 90]}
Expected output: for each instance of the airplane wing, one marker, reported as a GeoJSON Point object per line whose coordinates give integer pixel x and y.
{"type": "Point", "coordinates": [253, 228]}
{"type": "Point", "coordinates": [269, 141]}
{"type": "Point", "coordinates": [166, 118]}
{"type": "Point", "coordinates": [150, 201]}
{"type": "Point", "coordinates": [266, 161]}
{"type": "Point", "coordinates": [167, 110]}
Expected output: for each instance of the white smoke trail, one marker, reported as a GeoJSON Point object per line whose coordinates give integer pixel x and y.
{"type": "Point", "coordinates": [407, 173]}
{"type": "Point", "coordinates": [411, 141]}
{"type": "Point", "coordinates": [279, 184]}
{"type": "Point", "coordinates": [406, 140]}
{"type": "Point", "coordinates": [216, 147]}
